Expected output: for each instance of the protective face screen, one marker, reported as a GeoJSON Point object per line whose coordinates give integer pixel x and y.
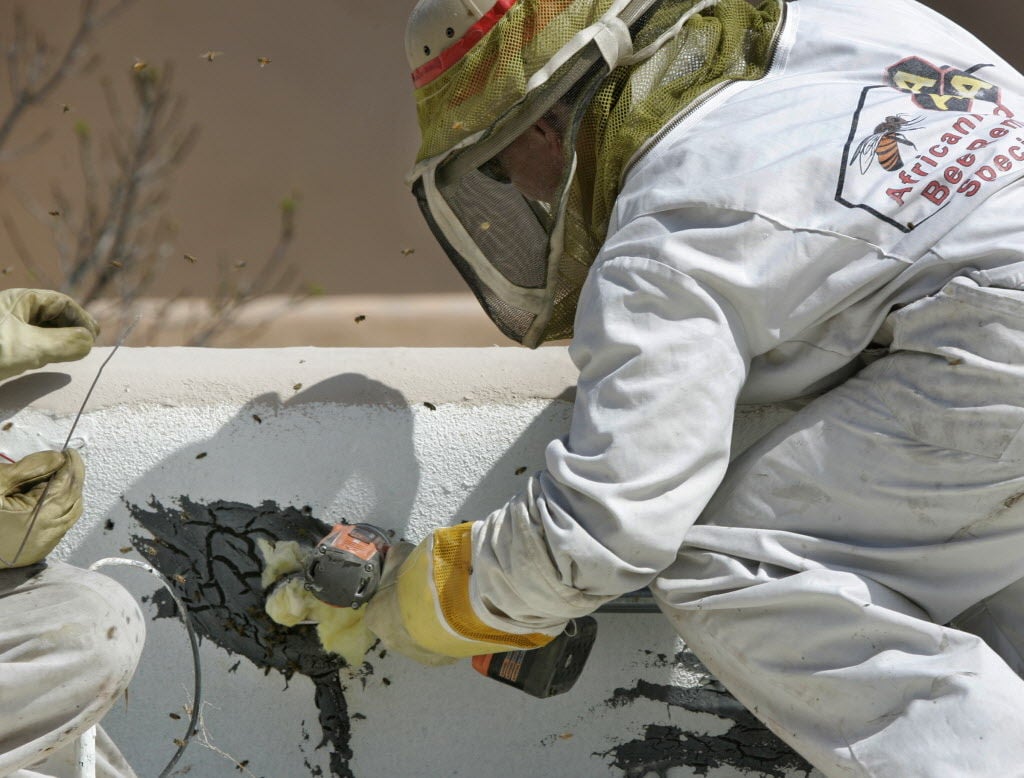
{"type": "Point", "coordinates": [503, 244]}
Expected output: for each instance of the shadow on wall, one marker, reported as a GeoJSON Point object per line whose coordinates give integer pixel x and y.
{"type": "Point", "coordinates": [24, 390]}
{"type": "Point", "coordinates": [208, 549]}
{"type": "Point", "coordinates": [524, 458]}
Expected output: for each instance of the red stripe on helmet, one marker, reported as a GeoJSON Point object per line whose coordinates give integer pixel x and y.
{"type": "Point", "coordinates": [430, 70]}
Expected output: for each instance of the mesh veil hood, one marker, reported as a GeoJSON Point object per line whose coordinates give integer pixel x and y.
{"type": "Point", "coordinates": [490, 87]}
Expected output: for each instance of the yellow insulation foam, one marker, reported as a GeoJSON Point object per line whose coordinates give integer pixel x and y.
{"type": "Point", "coordinates": [340, 630]}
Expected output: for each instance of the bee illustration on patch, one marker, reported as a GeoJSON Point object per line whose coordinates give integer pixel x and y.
{"type": "Point", "coordinates": [884, 143]}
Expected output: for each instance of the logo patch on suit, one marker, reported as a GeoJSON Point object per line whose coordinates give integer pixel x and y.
{"type": "Point", "coordinates": [927, 135]}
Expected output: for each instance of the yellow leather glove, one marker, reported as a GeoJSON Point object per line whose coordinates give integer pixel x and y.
{"type": "Point", "coordinates": [21, 487]}
{"type": "Point", "coordinates": [38, 326]}
{"type": "Point", "coordinates": [384, 615]}
{"type": "Point", "coordinates": [422, 608]}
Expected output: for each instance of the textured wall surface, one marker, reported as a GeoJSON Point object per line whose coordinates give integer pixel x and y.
{"type": "Point", "coordinates": [194, 455]}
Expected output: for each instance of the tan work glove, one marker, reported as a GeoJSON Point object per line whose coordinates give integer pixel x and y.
{"type": "Point", "coordinates": [21, 486]}
{"type": "Point", "coordinates": [38, 326]}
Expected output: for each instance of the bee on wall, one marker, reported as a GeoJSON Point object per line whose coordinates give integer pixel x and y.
{"type": "Point", "coordinates": [884, 143]}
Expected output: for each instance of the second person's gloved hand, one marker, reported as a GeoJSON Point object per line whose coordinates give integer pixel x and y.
{"type": "Point", "coordinates": [38, 326]}
{"type": "Point", "coordinates": [21, 487]}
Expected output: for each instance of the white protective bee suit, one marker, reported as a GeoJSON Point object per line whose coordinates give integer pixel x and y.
{"type": "Point", "coordinates": [750, 259]}
{"type": "Point", "coordinates": [69, 643]}
{"type": "Point", "coordinates": [857, 577]}
{"type": "Point", "coordinates": [69, 638]}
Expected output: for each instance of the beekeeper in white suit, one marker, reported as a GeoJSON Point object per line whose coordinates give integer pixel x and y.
{"type": "Point", "coordinates": [69, 638]}
{"type": "Point", "coordinates": [721, 203]}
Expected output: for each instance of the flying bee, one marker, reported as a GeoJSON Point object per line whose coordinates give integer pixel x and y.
{"type": "Point", "coordinates": [884, 143]}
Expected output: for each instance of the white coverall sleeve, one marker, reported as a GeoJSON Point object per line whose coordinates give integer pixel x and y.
{"type": "Point", "coordinates": [662, 361]}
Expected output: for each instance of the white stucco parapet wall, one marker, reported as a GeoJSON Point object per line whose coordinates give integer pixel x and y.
{"type": "Point", "coordinates": [192, 454]}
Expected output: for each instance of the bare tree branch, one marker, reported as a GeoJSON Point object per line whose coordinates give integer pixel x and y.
{"type": "Point", "coordinates": [30, 76]}
{"type": "Point", "coordinates": [113, 239]}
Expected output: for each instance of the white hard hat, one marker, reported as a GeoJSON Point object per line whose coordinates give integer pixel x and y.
{"type": "Point", "coordinates": [435, 25]}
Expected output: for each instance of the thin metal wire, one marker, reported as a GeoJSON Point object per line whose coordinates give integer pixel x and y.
{"type": "Point", "coordinates": [74, 424]}
{"type": "Point", "coordinates": [197, 693]}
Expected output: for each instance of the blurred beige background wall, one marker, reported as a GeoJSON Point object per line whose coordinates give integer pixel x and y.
{"type": "Point", "coordinates": [327, 119]}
